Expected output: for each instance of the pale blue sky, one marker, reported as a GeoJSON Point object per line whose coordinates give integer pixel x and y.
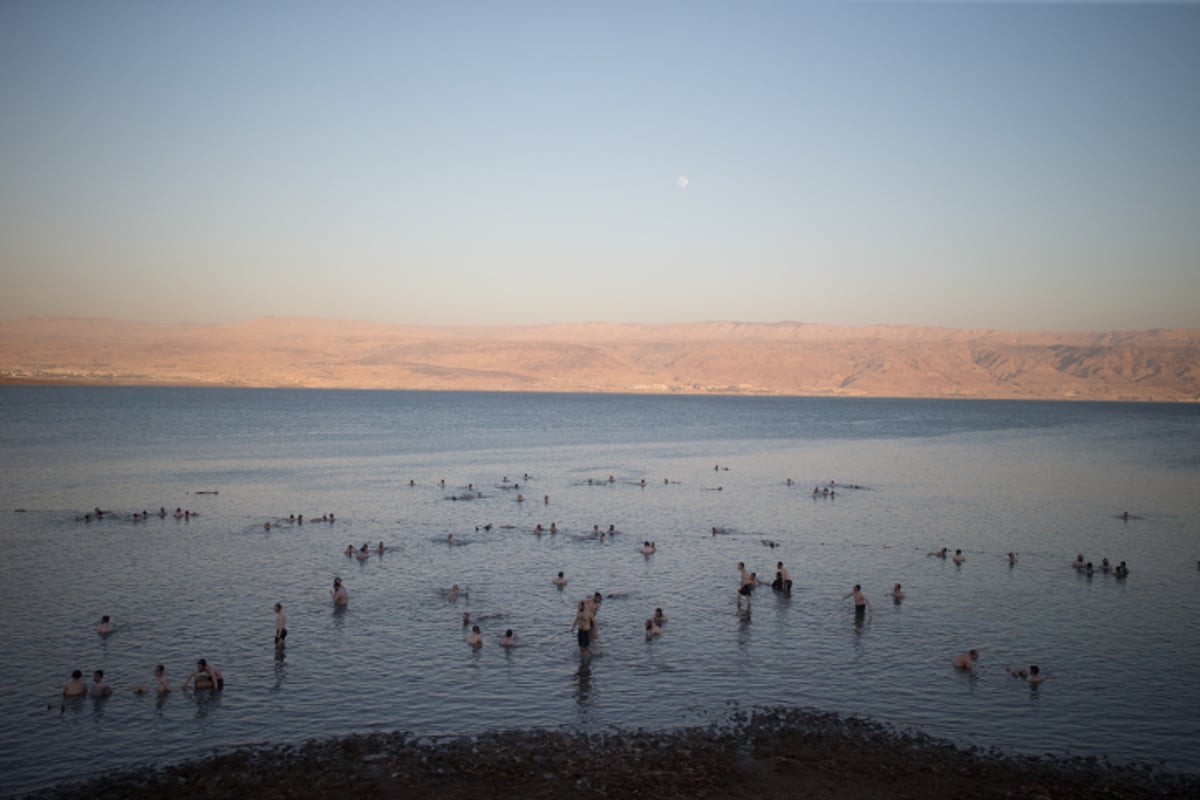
{"type": "Point", "coordinates": [1020, 166]}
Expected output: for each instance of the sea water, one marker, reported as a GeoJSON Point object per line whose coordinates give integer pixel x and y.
{"type": "Point", "coordinates": [1045, 480]}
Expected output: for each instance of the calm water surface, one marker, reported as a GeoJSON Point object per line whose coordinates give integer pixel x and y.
{"type": "Point", "coordinates": [1047, 480]}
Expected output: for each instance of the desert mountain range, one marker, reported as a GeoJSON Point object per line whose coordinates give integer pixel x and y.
{"type": "Point", "coordinates": [785, 358]}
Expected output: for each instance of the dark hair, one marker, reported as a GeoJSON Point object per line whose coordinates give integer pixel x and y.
{"type": "Point", "coordinates": [77, 674]}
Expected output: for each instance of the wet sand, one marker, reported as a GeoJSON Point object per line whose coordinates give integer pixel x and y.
{"type": "Point", "coordinates": [779, 753]}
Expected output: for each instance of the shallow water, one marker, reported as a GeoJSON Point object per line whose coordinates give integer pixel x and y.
{"type": "Point", "coordinates": [1046, 480]}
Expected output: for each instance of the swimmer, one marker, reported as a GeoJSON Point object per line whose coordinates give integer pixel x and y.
{"type": "Point", "coordinates": [349, 550]}
{"type": "Point", "coordinates": [1035, 676]}
{"type": "Point", "coordinates": [659, 616]}
{"type": "Point", "coordinates": [1105, 567]}
{"type": "Point", "coordinates": [652, 629]}
{"type": "Point", "coordinates": [648, 549]}
{"type": "Point", "coordinates": [509, 639]}
{"type": "Point", "coordinates": [75, 687]}
{"type": "Point", "coordinates": [105, 626]}
{"type": "Point", "coordinates": [785, 577]}
{"type": "Point", "coordinates": [959, 557]}
{"type": "Point", "coordinates": [937, 554]}
{"type": "Point", "coordinates": [861, 603]}
{"type": "Point", "coordinates": [770, 543]}
{"type": "Point", "coordinates": [451, 593]}
{"type": "Point", "coordinates": [1121, 571]}
{"type": "Point", "coordinates": [559, 581]}
{"type": "Point", "coordinates": [98, 687]}
{"type": "Point", "coordinates": [160, 682]}
{"type": "Point", "coordinates": [966, 661]}
{"type": "Point", "coordinates": [554, 527]}
{"type": "Point", "coordinates": [339, 594]}
{"type": "Point", "coordinates": [1079, 564]}
{"type": "Point", "coordinates": [466, 618]}
{"type": "Point", "coordinates": [1012, 559]}
{"type": "Point", "coordinates": [380, 548]}
{"type": "Point", "coordinates": [897, 594]}
{"type": "Point", "coordinates": [475, 637]}
{"type": "Point", "coordinates": [205, 676]}
{"type": "Point", "coordinates": [363, 553]}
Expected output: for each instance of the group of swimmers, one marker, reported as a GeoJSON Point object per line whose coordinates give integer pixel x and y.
{"type": "Point", "coordinates": [205, 676]}
{"type": "Point", "coordinates": [99, 514]}
{"type": "Point", "coordinates": [297, 519]}
{"type": "Point", "coordinates": [1087, 568]}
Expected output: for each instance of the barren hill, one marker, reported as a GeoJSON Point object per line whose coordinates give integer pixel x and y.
{"type": "Point", "coordinates": [785, 358]}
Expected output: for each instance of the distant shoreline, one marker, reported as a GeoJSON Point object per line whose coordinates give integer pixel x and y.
{"type": "Point", "coordinates": [771, 753]}
{"type": "Point", "coordinates": [785, 359]}
{"type": "Point", "coordinates": [166, 384]}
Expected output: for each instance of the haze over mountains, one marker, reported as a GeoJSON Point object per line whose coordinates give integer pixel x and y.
{"type": "Point", "coordinates": [786, 358]}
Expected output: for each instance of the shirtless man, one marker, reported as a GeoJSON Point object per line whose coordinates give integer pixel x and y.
{"type": "Point", "coordinates": [105, 626]}
{"type": "Point", "coordinates": [652, 629]}
{"type": "Point", "coordinates": [593, 606]}
{"type": "Point", "coordinates": [475, 637]}
{"type": "Point", "coordinates": [582, 627]}
{"type": "Point", "coordinates": [861, 603]}
{"type": "Point", "coordinates": [1035, 676]}
{"type": "Point", "coordinates": [99, 688]}
{"type": "Point", "coordinates": [75, 687]}
{"type": "Point", "coordinates": [897, 594]}
{"type": "Point", "coordinates": [745, 586]}
{"type": "Point", "coordinates": [966, 661]}
{"type": "Point", "coordinates": [205, 676]}
{"type": "Point", "coordinates": [560, 581]}
{"type": "Point", "coordinates": [339, 594]}
{"type": "Point", "coordinates": [959, 557]}
{"type": "Point", "coordinates": [509, 639]}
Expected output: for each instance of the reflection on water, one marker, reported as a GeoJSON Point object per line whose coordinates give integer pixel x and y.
{"type": "Point", "coordinates": [583, 685]}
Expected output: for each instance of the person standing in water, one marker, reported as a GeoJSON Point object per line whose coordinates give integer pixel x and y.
{"type": "Point", "coordinates": [205, 676]}
{"type": "Point", "coordinates": [861, 603]}
{"type": "Point", "coordinates": [75, 687]}
{"type": "Point", "coordinates": [582, 627]}
{"type": "Point", "coordinates": [280, 626]}
{"type": "Point", "coordinates": [340, 596]}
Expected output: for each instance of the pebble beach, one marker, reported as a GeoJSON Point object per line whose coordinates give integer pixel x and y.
{"type": "Point", "coordinates": [770, 753]}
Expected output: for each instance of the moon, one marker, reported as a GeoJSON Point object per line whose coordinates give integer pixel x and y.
{"type": "Point", "coordinates": [683, 181]}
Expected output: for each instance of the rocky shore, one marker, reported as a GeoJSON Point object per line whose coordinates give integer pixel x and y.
{"type": "Point", "coordinates": [768, 754]}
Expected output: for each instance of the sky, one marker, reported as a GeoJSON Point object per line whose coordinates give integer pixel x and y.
{"type": "Point", "coordinates": [1021, 166]}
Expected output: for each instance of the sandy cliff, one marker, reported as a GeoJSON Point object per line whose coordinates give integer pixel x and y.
{"type": "Point", "coordinates": [710, 357]}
